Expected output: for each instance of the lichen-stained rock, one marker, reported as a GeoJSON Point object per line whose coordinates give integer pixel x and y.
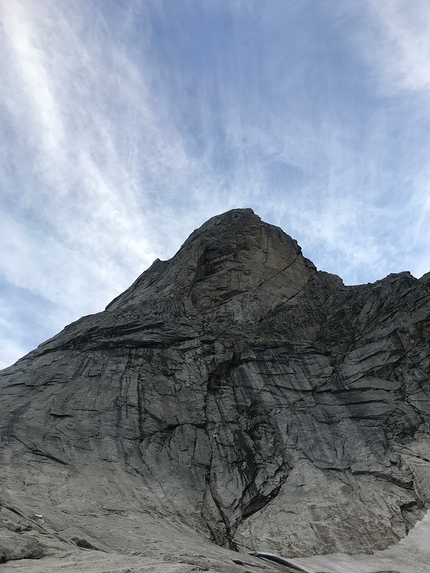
{"type": "Point", "coordinates": [257, 398]}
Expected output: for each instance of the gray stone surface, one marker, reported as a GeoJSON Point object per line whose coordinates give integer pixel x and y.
{"type": "Point", "coordinates": [16, 546]}
{"type": "Point", "coordinates": [410, 555]}
{"type": "Point", "coordinates": [244, 394]}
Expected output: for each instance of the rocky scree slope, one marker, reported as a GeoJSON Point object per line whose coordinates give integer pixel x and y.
{"type": "Point", "coordinates": [254, 398]}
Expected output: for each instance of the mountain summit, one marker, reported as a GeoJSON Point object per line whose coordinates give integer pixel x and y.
{"type": "Point", "coordinates": [234, 391]}
{"type": "Point", "coordinates": [234, 254]}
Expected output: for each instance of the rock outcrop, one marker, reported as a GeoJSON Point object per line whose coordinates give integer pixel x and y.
{"type": "Point", "coordinates": [250, 396]}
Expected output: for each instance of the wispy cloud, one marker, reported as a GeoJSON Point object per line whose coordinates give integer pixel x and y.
{"type": "Point", "coordinates": [393, 36]}
{"type": "Point", "coordinates": [125, 127]}
{"type": "Point", "coordinates": [392, 39]}
{"type": "Point", "coordinates": [95, 169]}
{"type": "Point", "coordinates": [93, 136]}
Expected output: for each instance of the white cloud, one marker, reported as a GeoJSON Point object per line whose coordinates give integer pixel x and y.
{"type": "Point", "coordinates": [396, 41]}
{"type": "Point", "coordinates": [117, 145]}
{"type": "Point", "coordinates": [37, 101]}
{"type": "Point", "coordinates": [392, 38]}
{"type": "Point", "coordinates": [99, 168]}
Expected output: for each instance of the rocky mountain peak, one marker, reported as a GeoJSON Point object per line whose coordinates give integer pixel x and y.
{"type": "Point", "coordinates": [232, 255]}
{"type": "Point", "coordinates": [245, 395]}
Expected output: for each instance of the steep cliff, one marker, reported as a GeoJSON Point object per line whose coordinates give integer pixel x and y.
{"type": "Point", "coordinates": [246, 394]}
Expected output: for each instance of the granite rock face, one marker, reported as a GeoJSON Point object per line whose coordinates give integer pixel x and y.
{"type": "Point", "coordinates": [255, 398]}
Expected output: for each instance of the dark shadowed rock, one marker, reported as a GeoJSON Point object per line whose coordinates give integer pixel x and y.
{"type": "Point", "coordinates": [256, 399]}
{"type": "Point", "coordinates": [14, 546]}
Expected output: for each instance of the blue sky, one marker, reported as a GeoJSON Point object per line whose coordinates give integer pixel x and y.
{"type": "Point", "coordinates": [124, 125]}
